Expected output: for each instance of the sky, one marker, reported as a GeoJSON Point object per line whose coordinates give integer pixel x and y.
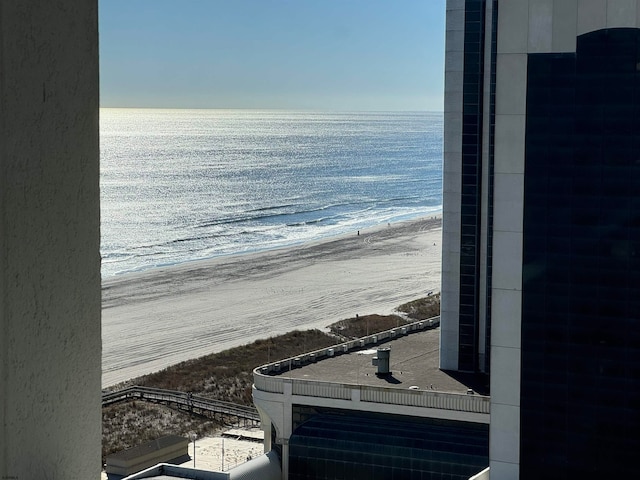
{"type": "Point", "coordinates": [340, 55]}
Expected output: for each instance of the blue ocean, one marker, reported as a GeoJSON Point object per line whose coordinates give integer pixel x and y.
{"type": "Point", "coordinates": [182, 185]}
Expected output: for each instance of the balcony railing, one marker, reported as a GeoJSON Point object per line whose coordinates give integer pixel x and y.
{"type": "Point", "coordinates": [264, 379]}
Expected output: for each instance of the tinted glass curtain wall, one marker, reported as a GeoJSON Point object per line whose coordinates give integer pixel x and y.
{"type": "Point", "coordinates": [581, 274]}
{"type": "Point", "coordinates": [355, 445]}
{"type": "Point", "coordinates": [476, 200]}
{"type": "Point", "coordinates": [490, 181]}
{"type": "Point", "coordinates": [471, 200]}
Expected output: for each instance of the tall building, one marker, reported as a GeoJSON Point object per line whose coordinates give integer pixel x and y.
{"type": "Point", "coordinates": [541, 247]}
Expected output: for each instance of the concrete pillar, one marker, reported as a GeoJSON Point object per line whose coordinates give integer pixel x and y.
{"type": "Point", "coordinates": [50, 343]}
{"type": "Point", "coordinates": [285, 459]}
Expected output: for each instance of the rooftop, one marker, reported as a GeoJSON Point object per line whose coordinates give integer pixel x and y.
{"type": "Point", "coordinates": [414, 362]}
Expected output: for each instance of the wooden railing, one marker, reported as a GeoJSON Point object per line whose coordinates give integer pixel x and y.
{"type": "Point", "coordinates": [182, 401]}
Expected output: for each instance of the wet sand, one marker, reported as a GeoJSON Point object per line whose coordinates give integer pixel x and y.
{"type": "Point", "coordinates": [154, 319]}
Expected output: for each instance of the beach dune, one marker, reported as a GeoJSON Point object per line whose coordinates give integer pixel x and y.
{"type": "Point", "coordinates": [154, 319]}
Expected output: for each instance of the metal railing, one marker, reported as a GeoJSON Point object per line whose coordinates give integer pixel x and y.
{"type": "Point", "coordinates": [182, 401]}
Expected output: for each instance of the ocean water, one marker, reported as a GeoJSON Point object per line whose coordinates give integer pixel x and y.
{"type": "Point", "coordinates": [182, 185]}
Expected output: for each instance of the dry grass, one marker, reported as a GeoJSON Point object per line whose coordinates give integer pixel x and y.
{"type": "Point", "coordinates": [129, 424]}
{"type": "Point", "coordinates": [423, 308]}
{"type": "Point", "coordinates": [361, 326]}
{"type": "Point", "coordinates": [228, 375]}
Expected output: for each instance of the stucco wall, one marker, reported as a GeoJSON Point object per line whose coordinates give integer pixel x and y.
{"type": "Point", "coordinates": [50, 340]}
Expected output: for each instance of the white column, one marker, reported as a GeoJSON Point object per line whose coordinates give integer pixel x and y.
{"type": "Point", "coordinates": [452, 186]}
{"type": "Point", "coordinates": [287, 428]}
{"type": "Point", "coordinates": [50, 342]}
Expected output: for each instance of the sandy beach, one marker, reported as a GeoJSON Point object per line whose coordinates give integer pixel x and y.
{"type": "Point", "coordinates": [154, 319]}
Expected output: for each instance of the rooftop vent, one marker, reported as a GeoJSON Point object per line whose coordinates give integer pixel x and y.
{"type": "Point", "coordinates": [381, 360]}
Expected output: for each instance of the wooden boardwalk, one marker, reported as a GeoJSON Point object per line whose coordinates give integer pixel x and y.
{"type": "Point", "coordinates": [186, 402]}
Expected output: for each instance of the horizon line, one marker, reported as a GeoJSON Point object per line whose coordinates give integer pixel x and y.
{"type": "Point", "coordinates": [309, 110]}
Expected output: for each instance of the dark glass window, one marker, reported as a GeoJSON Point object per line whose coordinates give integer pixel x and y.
{"type": "Point", "coordinates": [581, 272]}
{"type": "Point", "coordinates": [492, 128]}
{"type": "Point", "coordinates": [473, 89]}
{"type": "Point", "coordinates": [338, 445]}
